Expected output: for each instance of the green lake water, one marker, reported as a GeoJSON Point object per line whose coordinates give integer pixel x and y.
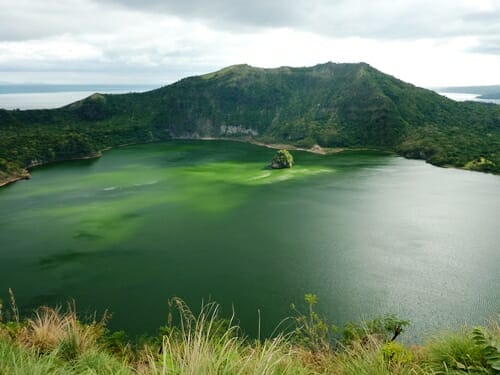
{"type": "Point", "coordinates": [369, 233]}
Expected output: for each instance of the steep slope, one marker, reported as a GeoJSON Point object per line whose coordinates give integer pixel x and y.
{"type": "Point", "coordinates": [333, 105]}
{"type": "Point", "coordinates": [298, 105]}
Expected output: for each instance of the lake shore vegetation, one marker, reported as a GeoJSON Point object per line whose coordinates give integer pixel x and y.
{"type": "Point", "coordinates": [58, 341]}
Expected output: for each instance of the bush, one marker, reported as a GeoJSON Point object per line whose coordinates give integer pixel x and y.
{"type": "Point", "coordinates": [482, 164]}
{"type": "Point", "coordinates": [312, 331]}
{"type": "Point", "coordinates": [386, 329]}
{"type": "Point", "coordinates": [282, 159]}
{"type": "Point", "coordinates": [489, 346]}
{"type": "Point", "coordinates": [455, 352]}
{"type": "Point", "coordinates": [395, 352]}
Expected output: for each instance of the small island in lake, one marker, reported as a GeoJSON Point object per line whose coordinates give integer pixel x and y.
{"type": "Point", "coordinates": [282, 159]}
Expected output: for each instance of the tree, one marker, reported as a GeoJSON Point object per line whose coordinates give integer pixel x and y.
{"type": "Point", "coordinates": [282, 159]}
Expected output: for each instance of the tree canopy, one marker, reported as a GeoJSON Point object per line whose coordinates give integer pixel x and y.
{"type": "Point", "coordinates": [282, 159]}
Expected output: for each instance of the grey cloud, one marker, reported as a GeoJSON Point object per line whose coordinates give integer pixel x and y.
{"type": "Point", "coordinates": [488, 46]}
{"type": "Point", "coordinates": [226, 12]}
{"type": "Point", "coordinates": [32, 19]}
{"type": "Point", "coordinates": [484, 17]}
{"type": "Point", "coordinates": [489, 23]}
{"type": "Point", "coordinates": [404, 19]}
{"type": "Point", "coordinates": [375, 19]}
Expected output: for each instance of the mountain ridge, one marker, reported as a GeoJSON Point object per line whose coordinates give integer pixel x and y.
{"type": "Point", "coordinates": [330, 104]}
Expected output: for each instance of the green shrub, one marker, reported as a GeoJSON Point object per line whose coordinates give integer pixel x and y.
{"type": "Point", "coordinates": [386, 328]}
{"type": "Point", "coordinates": [282, 159]}
{"type": "Point", "coordinates": [370, 358]}
{"type": "Point", "coordinates": [115, 342]}
{"type": "Point", "coordinates": [455, 352]}
{"type": "Point", "coordinates": [312, 331]}
{"type": "Point", "coordinates": [489, 346]}
{"type": "Point", "coordinates": [18, 360]}
{"type": "Point", "coordinates": [394, 352]}
{"type": "Point", "coordinates": [482, 164]}
{"type": "Point", "coordinates": [98, 362]}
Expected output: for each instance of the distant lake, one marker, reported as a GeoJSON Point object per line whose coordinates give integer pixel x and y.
{"type": "Point", "coordinates": [462, 97]}
{"type": "Point", "coordinates": [369, 233]}
{"type": "Point", "coordinates": [26, 96]}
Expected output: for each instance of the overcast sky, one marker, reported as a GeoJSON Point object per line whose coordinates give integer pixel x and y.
{"type": "Point", "coordinates": [426, 42]}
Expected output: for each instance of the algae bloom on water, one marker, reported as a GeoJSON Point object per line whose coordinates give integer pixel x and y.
{"type": "Point", "coordinates": [282, 159]}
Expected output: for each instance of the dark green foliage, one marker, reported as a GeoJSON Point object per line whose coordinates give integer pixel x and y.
{"type": "Point", "coordinates": [69, 348]}
{"type": "Point", "coordinates": [489, 346]}
{"type": "Point", "coordinates": [482, 164]}
{"type": "Point", "coordinates": [114, 341]}
{"type": "Point", "coordinates": [456, 353]}
{"type": "Point", "coordinates": [396, 353]}
{"type": "Point", "coordinates": [333, 105]}
{"type": "Point", "coordinates": [8, 167]}
{"type": "Point", "coordinates": [318, 335]}
{"type": "Point", "coordinates": [282, 159]}
{"type": "Point", "coordinates": [386, 328]}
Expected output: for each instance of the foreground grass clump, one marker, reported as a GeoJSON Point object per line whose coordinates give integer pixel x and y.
{"type": "Point", "coordinates": [475, 352]}
{"type": "Point", "coordinates": [56, 341]}
{"type": "Point", "coordinates": [204, 344]}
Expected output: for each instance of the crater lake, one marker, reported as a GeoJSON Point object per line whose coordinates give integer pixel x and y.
{"type": "Point", "coordinates": [370, 233]}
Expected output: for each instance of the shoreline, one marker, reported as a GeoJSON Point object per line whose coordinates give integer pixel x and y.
{"type": "Point", "coordinates": [316, 149]}
{"type": "Point", "coordinates": [26, 175]}
{"type": "Point", "coordinates": [11, 179]}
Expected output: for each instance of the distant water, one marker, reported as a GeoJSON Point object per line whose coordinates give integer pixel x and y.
{"type": "Point", "coordinates": [463, 96]}
{"type": "Point", "coordinates": [369, 233]}
{"type": "Point", "coordinates": [42, 96]}
{"type": "Point", "coordinates": [25, 96]}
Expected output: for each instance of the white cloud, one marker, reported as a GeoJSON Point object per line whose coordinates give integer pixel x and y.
{"type": "Point", "coordinates": [59, 49]}
{"type": "Point", "coordinates": [421, 41]}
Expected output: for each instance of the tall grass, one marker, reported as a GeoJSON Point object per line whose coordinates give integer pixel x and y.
{"type": "Point", "coordinates": [55, 341]}
{"type": "Point", "coordinates": [460, 352]}
{"type": "Point", "coordinates": [17, 360]}
{"type": "Point", "coordinates": [204, 344]}
{"type": "Point", "coordinates": [454, 351]}
{"type": "Point", "coordinates": [369, 357]}
{"type": "Point", "coordinates": [51, 329]}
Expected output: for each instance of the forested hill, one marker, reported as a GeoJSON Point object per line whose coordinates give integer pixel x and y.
{"type": "Point", "coordinates": [333, 105]}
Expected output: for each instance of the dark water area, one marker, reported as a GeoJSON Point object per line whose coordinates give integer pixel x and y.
{"type": "Point", "coordinates": [369, 233]}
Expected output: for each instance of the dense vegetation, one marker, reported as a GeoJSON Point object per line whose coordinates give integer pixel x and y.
{"type": "Point", "coordinates": [332, 105]}
{"type": "Point", "coordinates": [282, 159]}
{"type": "Point", "coordinates": [54, 341]}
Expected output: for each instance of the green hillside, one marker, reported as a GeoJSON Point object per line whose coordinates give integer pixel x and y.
{"type": "Point", "coordinates": [332, 105]}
